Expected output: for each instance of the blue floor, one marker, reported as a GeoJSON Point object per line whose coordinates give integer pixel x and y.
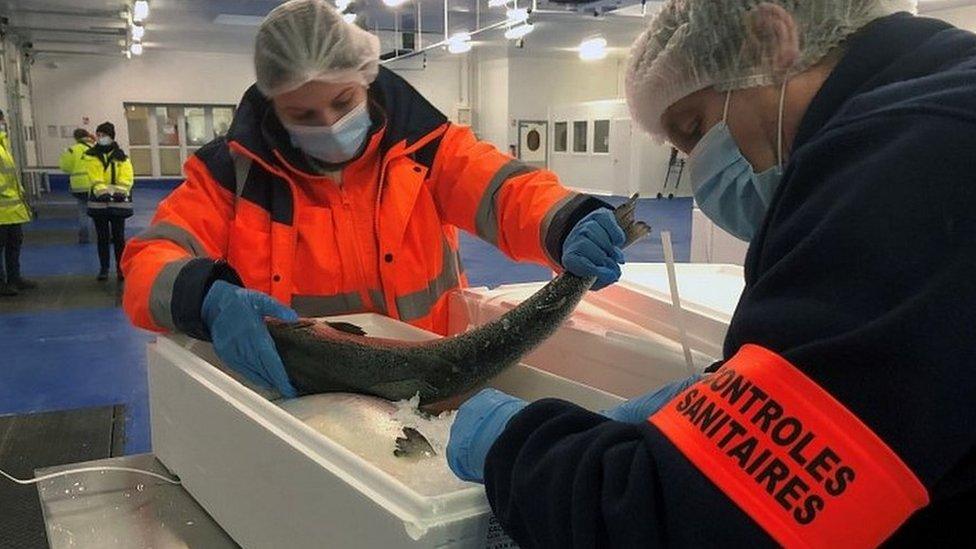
{"type": "Point", "coordinates": [63, 358]}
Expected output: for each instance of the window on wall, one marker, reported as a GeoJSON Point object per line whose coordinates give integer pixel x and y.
{"type": "Point", "coordinates": [579, 136]}
{"type": "Point", "coordinates": [601, 136]}
{"type": "Point", "coordinates": [560, 137]}
{"type": "Point", "coordinates": [162, 137]}
{"type": "Point", "coordinates": [137, 121]}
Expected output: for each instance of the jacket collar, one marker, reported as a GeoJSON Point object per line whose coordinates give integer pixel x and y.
{"type": "Point", "coordinates": [408, 119]}
{"type": "Point", "coordinates": [106, 154]}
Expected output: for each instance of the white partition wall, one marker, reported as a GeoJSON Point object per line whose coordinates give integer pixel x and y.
{"type": "Point", "coordinates": [595, 148]}
{"type": "Point", "coordinates": [710, 244]}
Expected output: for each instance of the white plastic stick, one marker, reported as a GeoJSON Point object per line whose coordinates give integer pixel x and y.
{"type": "Point", "coordinates": [87, 470]}
{"type": "Point", "coordinates": [676, 299]}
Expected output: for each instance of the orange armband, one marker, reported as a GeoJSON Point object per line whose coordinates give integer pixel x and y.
{"type": "Point", "coordinates": [798, 462]}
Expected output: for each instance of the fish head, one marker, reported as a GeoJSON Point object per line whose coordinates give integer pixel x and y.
{"type": "Point", "coordinates": [413, 445]}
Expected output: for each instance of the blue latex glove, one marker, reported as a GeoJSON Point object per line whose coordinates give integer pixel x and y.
{"type": "Point", "coordinates": [235, 317]}
{"type": "Point", "coordinates": [479, 422]}
{"type": "Point", "coordinates": [638, 409]}
{"type": "Point", "coordinates": [592, 248]}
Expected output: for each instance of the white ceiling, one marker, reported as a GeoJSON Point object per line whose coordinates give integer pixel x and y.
{"type": "Point", "coordinates": [60, 27]}
{"type": "Point", "coordinates": [57, 27]}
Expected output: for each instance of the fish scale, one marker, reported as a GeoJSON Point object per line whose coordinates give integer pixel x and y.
{"type": "Point", "coordinates": [320, 357]}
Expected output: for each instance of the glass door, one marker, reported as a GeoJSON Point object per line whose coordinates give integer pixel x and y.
{"type": "Point", "coordinates": [140, 145]}
{"type": "Point", "coordinates": [163, 137]}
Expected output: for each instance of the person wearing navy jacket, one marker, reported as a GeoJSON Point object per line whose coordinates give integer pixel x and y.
{"type": "Point", "coordinates": [839, 138]}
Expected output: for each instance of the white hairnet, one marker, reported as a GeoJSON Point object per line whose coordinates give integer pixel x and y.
{"type": "Point", "coordinates": [302, 41]}
{"type": "Point", "coordinates": [695, 44]}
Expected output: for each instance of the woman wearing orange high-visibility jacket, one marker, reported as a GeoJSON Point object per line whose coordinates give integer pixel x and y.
{"type": "Point", "coordinates": [842, 413]}
{"type": "Point", "coordinates": [339, 189]}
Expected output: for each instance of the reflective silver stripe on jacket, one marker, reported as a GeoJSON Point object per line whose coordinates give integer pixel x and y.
{"type": "Point", "coordinates": [419, 304]}
{"type": "Point", "coordinates": [10, 202]}
{"type": "Point", "coordinates": [547, 222]}
{"type": "Point", "coordinates": [161, 294]}
{"type": "Point", "coordinates": [242, 166]}
{"type": "Point", "coordinates": [175, 234]}
{"type": "Point", "coordinates": [379, 300]}
{"type": "Point", "coordinates": [328, 305]}
{"type": "Point", "coordinates": [486, 218]}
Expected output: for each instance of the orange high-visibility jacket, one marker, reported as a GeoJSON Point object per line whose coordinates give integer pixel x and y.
{"type": "Point", "coordinates": [252, 213]}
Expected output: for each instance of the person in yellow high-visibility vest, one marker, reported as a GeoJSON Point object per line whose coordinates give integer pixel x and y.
{"type": "Point", "coordinates": [72, 162]}
{"type": "Point", "coordinates": [14, 212]}
{"type": "Point", "coordinates": [110, 197]}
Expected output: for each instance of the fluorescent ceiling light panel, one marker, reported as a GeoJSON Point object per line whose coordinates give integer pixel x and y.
{"type": "Point", "coordinates": [514, 17]}
{"type": "Point", "coordinates": [593, 49]}
{"type": "Point", "coordinates": [140, 10]}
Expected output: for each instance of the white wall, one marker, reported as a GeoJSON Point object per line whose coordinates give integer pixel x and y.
{"type": "Point", "coordinates": [492, 118]}
{"type": "Point", "coordinates": [96, 87]}
{"type": "Point", "coordinates": [538, 83]}
{"type": "Point", "coordinates": [964, 18]}
{"type": "Point", "coordinates": [439, 81]}
{"type": "Point", "coordinates": [635, 162]}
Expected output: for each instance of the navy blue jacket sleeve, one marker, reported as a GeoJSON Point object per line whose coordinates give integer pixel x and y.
{"type": "Point", "coordinates": [561, 476]}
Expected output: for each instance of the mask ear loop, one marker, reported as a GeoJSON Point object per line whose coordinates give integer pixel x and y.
{"type": "Point", "coordinates": [779, 128]}
{"type": "Point", "coordinates": [725, 111]}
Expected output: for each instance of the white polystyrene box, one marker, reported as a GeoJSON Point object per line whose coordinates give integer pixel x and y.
{"type": "Point", "coordinates": [708, 293]}
{"type": "Point", "coordinates": [623, 339]}
{"type": "Point", "coordinates": [271, 481]}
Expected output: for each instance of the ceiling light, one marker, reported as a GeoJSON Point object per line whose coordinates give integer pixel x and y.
{"type": "Point", "coordinates": [140, 11]}
{"type": "Point", "coordinates": [394, 3]}
{"type": "Point", "coordinates": [593, 49]}
{"type": "Point", "coordinates": [343, 5]}
{"type": "Point", "coordinates": [349, 18]}
{"type": "Point", "coordinates": [459, 43]}
{"type": "Point", "coordinates": [136, 48]}
{"type": "Point", "coordinates": [497, 3]}
{"type": "Point", "coordinates": [516, 16]}
{"type": "Point", "coordinates": [138, 31]}
{"type": "Point", "coordinates": [519, 31]}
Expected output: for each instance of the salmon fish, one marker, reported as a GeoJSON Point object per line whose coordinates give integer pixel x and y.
{"type": "Point", "coordinates": [323, 357]}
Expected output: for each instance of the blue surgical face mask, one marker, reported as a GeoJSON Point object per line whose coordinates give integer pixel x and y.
{"type": "Point", "coordinates": [726, 187]}
{"type": "Point", "coordinates": [105, 141]}
{"type": "Point", "coordinates": [337, 143]}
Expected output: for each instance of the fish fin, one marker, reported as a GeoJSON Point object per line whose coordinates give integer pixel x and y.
{"type": "Point", "coordinates": [347, 327]}
{"type": "Point", "coordinates": [413, 444]}
{"type": "Point", "coordinates": [626, 218]}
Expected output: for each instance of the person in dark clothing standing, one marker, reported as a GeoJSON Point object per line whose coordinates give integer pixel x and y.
{"type": "Point", "coordinates": [110, 198]}
{"type": "Point", "coordinates": [837, 136]}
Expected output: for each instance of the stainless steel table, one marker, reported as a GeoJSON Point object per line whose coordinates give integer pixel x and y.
{"type": "Point", "coordinates": [119, 510]}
